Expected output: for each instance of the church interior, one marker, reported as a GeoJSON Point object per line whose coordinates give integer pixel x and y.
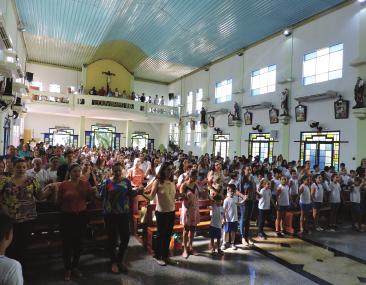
{"type": "Point", "coordinates": [182, 142]}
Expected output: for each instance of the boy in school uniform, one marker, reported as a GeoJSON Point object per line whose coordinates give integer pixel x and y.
{"type": "Point", "coordinates": [230, 217]}
{"type": "Point", "coordinates": [10, 269]}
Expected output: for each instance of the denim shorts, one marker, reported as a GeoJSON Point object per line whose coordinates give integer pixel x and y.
{"type": "Point", "coordinates": [335, 206]}
{"type": "Point", "coordinates": [317, 205]}
{"type": "Point", "coordinates": [231, 227]}
{"type": "Point", "coordinates": [305, 207]}
{"type": "Point", "coordinates": [215, 232]}
{"type": "Point", "coordinates": [283, 208]}
{"type": "Point", "coordinates": [356, 208]}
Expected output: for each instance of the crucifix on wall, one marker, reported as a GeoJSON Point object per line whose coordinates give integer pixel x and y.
{"type": "Point", "coordinates": [109, 78]}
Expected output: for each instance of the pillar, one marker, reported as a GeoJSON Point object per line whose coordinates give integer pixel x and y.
{"type": "Point", "coordinates": [286, 79]}
{"type": "Point", "coordinates": [82, 131]}
{"type": "Point", "coordinates": [285, 137]}
{"type": "Point", "coordinates": [2, 132]}
{"type": "Point", "coordinates": [129, 125]}
{"type": "Point", "coordinates": [361, 123]}
{"type": "Point", "coordinates": [204, 138]}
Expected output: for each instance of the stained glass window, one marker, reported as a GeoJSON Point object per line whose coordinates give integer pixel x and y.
{"type": "Point", "coordinates": [139, 140]}
{"type": "Point", "coordinates": [261, 144]}
{"type": "Point", "coordinates": [320, 148]}
{"type": "Point", "coordinates": [103, 136]}
{"type": "Point", "coordinates": [221, 145]}
{"type": "Point", "coordinates": [59, 136]}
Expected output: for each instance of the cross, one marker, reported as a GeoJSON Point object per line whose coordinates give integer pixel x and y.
{"type": "Point", "coordinates": [108, 74]}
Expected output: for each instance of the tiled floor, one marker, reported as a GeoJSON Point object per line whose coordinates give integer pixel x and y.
{"type": "Point", "coordinates": [344, 240]}
{"type": "Point", "coordinates": [235, 267]}
{"type": "Point", "coordinates": [321, 258]}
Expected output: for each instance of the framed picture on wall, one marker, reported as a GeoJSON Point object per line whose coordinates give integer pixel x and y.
{"type": "Point", "coordinates": [341, 108]}
{"type": "Point", "coordinates": [230, 120]}
{"type": "Point", "coordinates": [211, 121]}
{"type": "Point", "coordinates": [300, 113]}
{"type": "Point", "coordinates": [248, 118]}
{"type": "Point", "coordinates": [273, 115]}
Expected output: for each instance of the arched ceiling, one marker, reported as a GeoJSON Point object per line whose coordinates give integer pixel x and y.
{"type": "Point", "coordinates": [155, 39]}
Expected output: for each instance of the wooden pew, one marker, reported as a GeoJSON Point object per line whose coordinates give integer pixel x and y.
{"type": "Point", "coordinates": [291, 215]}
{"type": "Point", "coordinates": [205, 220]}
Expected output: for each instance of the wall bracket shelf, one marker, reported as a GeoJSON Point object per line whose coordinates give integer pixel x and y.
{"type": "Point", "coordinates": [285, 80]}
{"type": "Point", "coordinates": [317, 97]}
{"type": "Point", "coordinates": [358, 62]}
{"type": "Point", "coordinates": [221, 111]}
{"type": "Point", "coordinates": [263, 105]}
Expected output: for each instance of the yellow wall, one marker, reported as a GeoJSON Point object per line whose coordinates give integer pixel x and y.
{"type": "Point", "coordinates": [27, 135]}
{"type": "Point", "coordinates": [94, 77]}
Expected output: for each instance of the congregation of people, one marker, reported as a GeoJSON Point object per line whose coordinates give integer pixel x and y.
{"type": "Point", "coordinates": [244, 193]}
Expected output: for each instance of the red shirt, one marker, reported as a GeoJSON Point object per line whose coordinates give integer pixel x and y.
{"type": "Point", "coordinates": [72, 198]}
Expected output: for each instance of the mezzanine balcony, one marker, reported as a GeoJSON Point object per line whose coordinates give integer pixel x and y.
{"type": "Point", "coordinates": [98, 106]}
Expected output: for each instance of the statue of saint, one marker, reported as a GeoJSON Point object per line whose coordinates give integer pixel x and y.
{"type": "Point", "coordinates": [203, 116]}
{"type": "Point", "coordinates": [236, 114]}
{"type": "Point", "coordinates": [284, 102]}
{"type": "Point", "coordinates": [359, 93]}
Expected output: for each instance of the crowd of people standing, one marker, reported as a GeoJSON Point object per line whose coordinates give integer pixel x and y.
{"type": "Point", "coordinates": [240, 189]}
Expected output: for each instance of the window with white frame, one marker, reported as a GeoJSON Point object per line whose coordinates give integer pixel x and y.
{"type": "Point", "coordinates": [223, 91]}
{"type": "Point", "coordinates": [323, 65]}
{"type": "Point", "coordinates": [263, 80]}
{"type": "Point", "coordinates": [174, 133]}
{"type": "Point", "coordinates": [199, 95]}
{"type": "Point", "coordinates": [188, 134]}
{"type": "Point", "coordinates": [189, 102]}
{"type": "Point", "coordinates": [197, 135]}
{"type": "Point", "coordinates": [55, 88]}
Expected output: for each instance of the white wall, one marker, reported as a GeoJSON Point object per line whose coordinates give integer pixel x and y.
{"type": "Point", "coordinates": [341, 26]}
{"type": "Point", "coordinates": [41, 123]}
{"type": "Point", "coordinates": [54, 75]}
{"type": "Point", "coordinates": [150, 89]}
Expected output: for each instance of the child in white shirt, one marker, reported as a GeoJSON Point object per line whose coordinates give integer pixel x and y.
{"type": "Point", "coordinates": [230, 216]}
{"type": "Point", "coordinates": [217, 214]}
{"type": "Point", "coordinates": [264, 206]}
{"type": "Point", "coordinates": [355, 198]}
{"type": "Point", "coordinates": [335, 200]}
{"type": "Point", "coordinates": [10, 269]}
{"type": "Point", "coordinates": [283, 203]}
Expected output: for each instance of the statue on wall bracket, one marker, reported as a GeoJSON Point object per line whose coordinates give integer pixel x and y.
{"type": "Point", "coordinates": [236, 115]}
{"type": "Point", "coordinates": [284, 103]}
{"type": "Point", "coordinates": [359, 93]}
{"type": "Point", "coordinates": [203, 116]}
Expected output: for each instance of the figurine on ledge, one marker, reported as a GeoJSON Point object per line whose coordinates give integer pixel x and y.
{"type": "Point", "coordinates": [236, 114]}
{"type": "Point", "coordinates": [284, 102]}
{"type": "Point", "coordinates": [203, 116]}
{"type": "Point", "coordinates": [359, 93]}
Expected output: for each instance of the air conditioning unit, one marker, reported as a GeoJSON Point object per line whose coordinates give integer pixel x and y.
{"type": "Point", "coordinates": [5, 41]}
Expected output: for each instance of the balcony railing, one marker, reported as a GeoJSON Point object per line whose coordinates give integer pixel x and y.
{"type": "Point", "coordinates": [75, 101]}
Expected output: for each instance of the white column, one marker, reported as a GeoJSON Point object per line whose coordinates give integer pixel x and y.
{"type": "Point", "coordinates": [82, 131]}
{"type": "Point", "coordinates": [129, 125]}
